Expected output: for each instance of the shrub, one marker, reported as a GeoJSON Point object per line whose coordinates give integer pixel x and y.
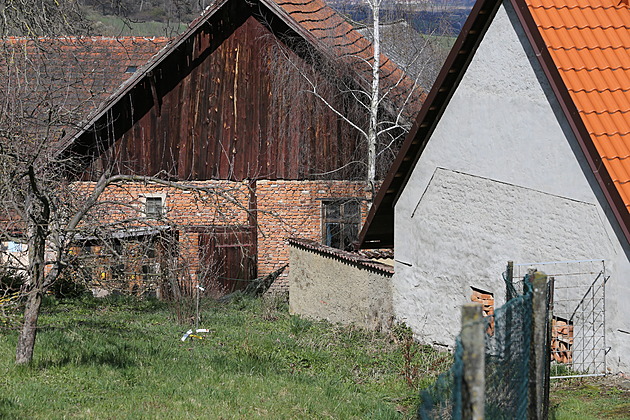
{"type": "Point", "coordinates": [11, 281]}
{"type": "Point", "coordinates": [71, 284]}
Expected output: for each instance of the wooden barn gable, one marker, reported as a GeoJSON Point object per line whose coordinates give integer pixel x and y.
{"type": "Point", "coordinates": [228, 100]}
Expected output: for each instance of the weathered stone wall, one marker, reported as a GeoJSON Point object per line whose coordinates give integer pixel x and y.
{"type": "Point", "coordinates": [324, 287]}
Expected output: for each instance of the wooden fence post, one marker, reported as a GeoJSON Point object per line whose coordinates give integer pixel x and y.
{"type": "Point", "coordinates": [539, 353]}
{"type": "Point", "coordinates": [509, 280]}
{"type": "Point", "coordinates": [473, 358]}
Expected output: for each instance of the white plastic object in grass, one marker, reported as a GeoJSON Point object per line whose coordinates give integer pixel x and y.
{"type": "Point", "coordinates": [198, 330]}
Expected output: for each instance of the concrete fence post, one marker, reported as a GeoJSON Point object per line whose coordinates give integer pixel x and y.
{"type": "Point", "coordinates": [550, 296]}
{"type": "Point", "coordinates": [539, 352]}
{"type": "Point", "coordinates": [473, 358]}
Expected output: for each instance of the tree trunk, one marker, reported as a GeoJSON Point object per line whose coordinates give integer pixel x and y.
{"type": "Point", "coordinates": [26, 340]}
{"type": "Point", "coordinates": [374, 100]}
{"type": "Point", "coordinates": [36, 266]}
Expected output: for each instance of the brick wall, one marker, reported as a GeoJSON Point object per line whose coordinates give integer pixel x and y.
{"type": "Point", "coordinates": [218, 202]}
{"type": "Point", "coordinates": [293, 209]}
{"type": "Point", "coordinates": [283, 209]}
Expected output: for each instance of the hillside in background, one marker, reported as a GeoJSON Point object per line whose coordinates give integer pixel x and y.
{"type": "Point", "coordinates": [170, 17]}
{"type": "Point", "coordinates": [433, 17]}
{"type": "Point", "coordinates": [141, 18]}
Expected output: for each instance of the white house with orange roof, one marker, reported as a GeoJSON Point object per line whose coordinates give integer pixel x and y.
{"type": "Point", "coordinates": [520, 153]}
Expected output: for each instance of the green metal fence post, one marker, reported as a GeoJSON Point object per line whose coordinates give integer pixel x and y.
{"type": "Point", "coordinates": [550, 292]}
{"type": "Point", "coordinates": [509, 286]}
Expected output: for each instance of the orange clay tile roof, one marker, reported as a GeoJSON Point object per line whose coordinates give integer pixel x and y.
{"type": "Point", "coordinates": [85, 71]}
{"type": "Point", "coordinates": [589, 42]}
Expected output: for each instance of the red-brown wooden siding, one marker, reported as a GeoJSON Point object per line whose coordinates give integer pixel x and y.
{"type": "Point", "coordinates": [279, 131]}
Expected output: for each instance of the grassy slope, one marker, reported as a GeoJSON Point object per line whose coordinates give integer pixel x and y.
{"type": "Point", "coordinates": [111, 360]}
{"type": "Point", "coordinates": [123, 359]}
{"type": "Point", "coordinates": [109, 25]}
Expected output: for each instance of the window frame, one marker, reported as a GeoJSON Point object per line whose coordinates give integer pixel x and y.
{"type": "Point", "coordinates": [146, 198]}
{"type": "Point", "coordinates": [348, 221]}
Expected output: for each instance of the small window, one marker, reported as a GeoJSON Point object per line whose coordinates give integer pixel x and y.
{"type": "Point", "coordinates": [131, 69]}
{"type": "Point", "coordinates": [341, 220]}
{"type": "Point", "coordinates": [154, 207]}
{"type": "Point", "coordinates": [150, 271]}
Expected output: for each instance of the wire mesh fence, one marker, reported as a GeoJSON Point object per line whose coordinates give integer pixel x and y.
{"type": "Point", "coordinates": [507, 356]}
{"type": "Point", "coordinates": [578, 340]}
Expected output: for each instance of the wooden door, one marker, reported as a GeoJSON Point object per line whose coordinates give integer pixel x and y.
{"type": "Point", "coordinates": [227, 258]}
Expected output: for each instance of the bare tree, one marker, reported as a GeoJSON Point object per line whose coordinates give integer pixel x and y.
{"type": "Point", "coordinates": [373, 129]}
{"type": "Point", "coordinates": [42, 206]}
{"type": "Point", "coordinates": [50, 214]}
{"type": "Point", "coordinates": [384, 95]}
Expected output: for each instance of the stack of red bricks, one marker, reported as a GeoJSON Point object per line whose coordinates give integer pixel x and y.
{"type": "Point", "coordinates": [487, 301]}
{"type": "Point", "coordinates": [561, 340]}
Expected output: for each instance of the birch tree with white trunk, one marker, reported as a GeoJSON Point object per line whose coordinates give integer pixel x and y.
{"type": "Point", "coordinates": [385, 104]}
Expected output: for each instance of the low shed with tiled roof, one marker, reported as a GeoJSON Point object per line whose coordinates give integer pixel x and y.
{"type": "Point", "coordinates": [74, 75]}
{"type": "Point", "coordinates": [520, 153]}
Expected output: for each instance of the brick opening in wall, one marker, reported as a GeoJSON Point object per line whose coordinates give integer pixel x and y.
{"type": "Point", "coordinates": [487, 301]}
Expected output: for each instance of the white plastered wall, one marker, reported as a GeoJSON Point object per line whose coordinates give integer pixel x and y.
{"type": "Point", "coordinates": [501, 179]}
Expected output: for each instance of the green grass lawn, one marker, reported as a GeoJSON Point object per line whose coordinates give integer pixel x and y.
{"type": "Point", "coordinates": [123, 358]}
{"type": "Point", "coordinates": [118, 358]}
{"type": "Point", "coordinates": [586, 399]}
